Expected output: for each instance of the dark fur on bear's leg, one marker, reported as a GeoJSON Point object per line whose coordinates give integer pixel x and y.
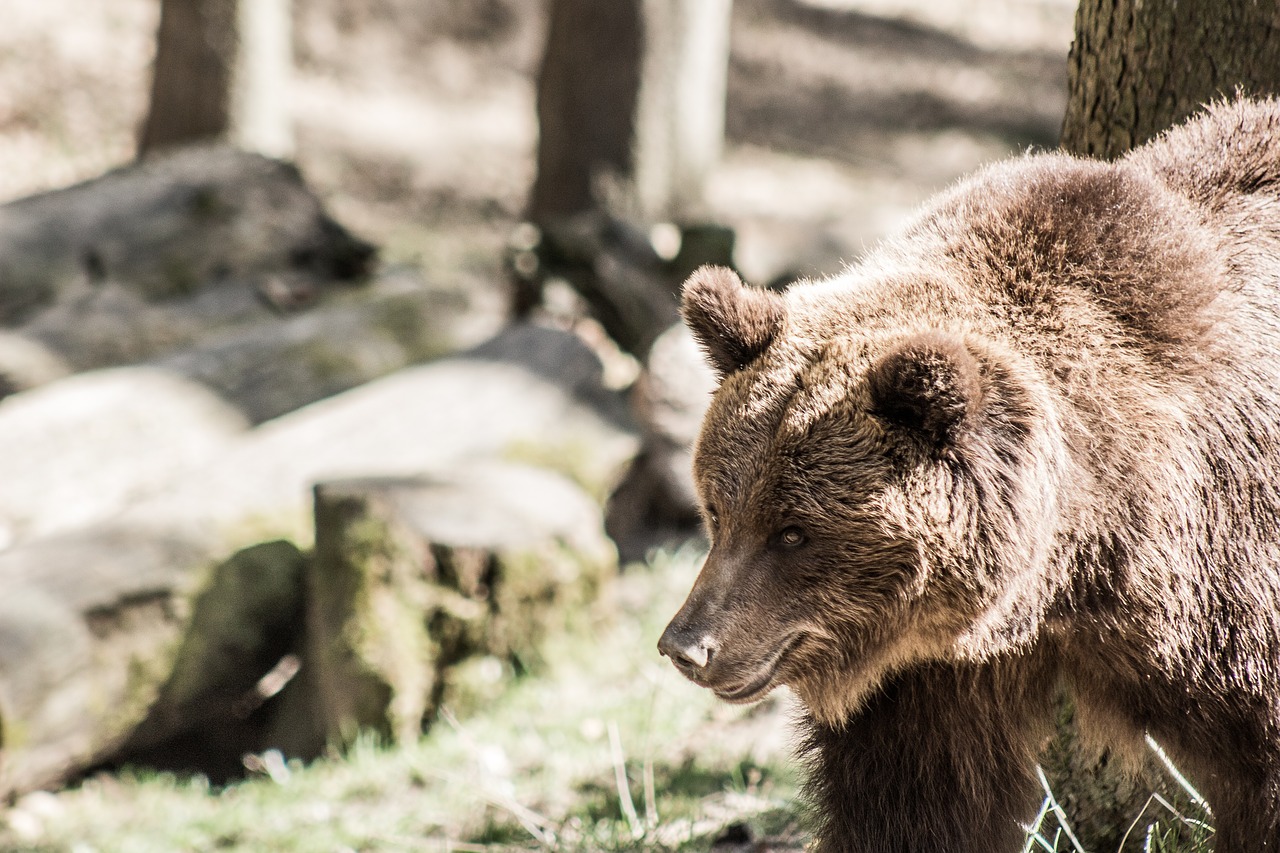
{"type": "Point", "coordinates": [1246, 812]}
{"type": "Point", "coordinates": [934, 761]}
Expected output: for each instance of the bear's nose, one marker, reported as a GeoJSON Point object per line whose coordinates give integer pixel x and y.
{"type": "Point", "coordinates": [684, 652]}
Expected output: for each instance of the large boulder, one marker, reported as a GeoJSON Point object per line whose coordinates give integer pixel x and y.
{"type": "Point", "coordinates": [108, 627]}
{"type": "Point", "coordinates": [189, 223]}
{"type": "Point", "coordinates": [79, 450]}
{"type": "Point", "coordinates": [531, 394]}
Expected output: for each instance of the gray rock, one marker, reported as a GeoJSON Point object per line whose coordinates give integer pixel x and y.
{"type": "Point", "coordinates": [24, 364]}
{"type": "Point", "coordinates": [79, 450]}
{"type": "Point", "coordinates": [274, 366]}
{"type": "Point", "coordinates": [102, 643]}
{"type": "Point", "coordinates": [656, 501]}
{"type": "Point", "coordinates": [87, 626]}
{"type": "Point", "coordinates": [531, 395]}
{"type": "Point", "coordinates": [173, 226]}
{"type": "Point", "coordinates": [116, 638]}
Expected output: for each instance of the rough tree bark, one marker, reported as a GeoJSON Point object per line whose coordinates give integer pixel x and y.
{"type": "Point", "coordinates": [1138, 67]}
{"type": "Point", "coordinates": [221, 73]}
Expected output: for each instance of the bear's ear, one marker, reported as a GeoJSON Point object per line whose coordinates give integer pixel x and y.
{"type": "Point", "coordinates": [734, 323]}
{"type": "Point", "coordinates": [929, 383]}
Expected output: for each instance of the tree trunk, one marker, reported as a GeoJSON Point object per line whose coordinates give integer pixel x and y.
{"type": "Point", "coordinates": [631, 114]}
{"type": "Point", "coordinates": [260, 119]}
{"type": "Point", "coordinates": [221, 73]}
{"type": "Point", "coordinates": [631, 107]}
{"type": "Point", "coordinates": [587, 90]}
{"type": "Point", "coordinates": [191, 84]}
{"type": "Point", "coordinates": [680, 117]}
{"type": "Point", "coordinates": [1138, 67]}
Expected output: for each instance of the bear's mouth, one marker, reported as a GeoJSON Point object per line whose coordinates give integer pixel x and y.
{"type": "Point", "coordinates": [764, 679]}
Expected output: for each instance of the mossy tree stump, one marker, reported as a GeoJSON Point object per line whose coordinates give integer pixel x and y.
{"type": "Point", "coordinates": [412, 576]}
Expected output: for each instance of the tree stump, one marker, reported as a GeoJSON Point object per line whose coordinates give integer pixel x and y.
{"type": "Point", "coordinates": [411, 576]}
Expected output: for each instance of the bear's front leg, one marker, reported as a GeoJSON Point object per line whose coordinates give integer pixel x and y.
{"type": "Point", "coordinates": [1246, 804]}
{"type": "Point", "coordinates": [940, 758]}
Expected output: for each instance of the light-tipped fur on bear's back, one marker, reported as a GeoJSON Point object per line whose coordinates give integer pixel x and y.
{"type": "Point", "coordinates": [1220, 154]}
{"type": "Point", "coordinates": [1050, 241]}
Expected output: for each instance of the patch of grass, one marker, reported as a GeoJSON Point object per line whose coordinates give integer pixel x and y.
{"type": "Point", "coordinates": [607, 749]}
{"type": "Point", "coordinates": [1181, 825]}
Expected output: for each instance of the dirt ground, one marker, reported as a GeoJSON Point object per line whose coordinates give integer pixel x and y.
{"type": "Point", "coordinates": [415, 118]}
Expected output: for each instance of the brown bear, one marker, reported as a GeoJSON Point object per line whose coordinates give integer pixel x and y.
{"type": "Point", "coordinates": [1030, 445]}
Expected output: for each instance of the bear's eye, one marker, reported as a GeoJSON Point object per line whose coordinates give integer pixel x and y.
{"type": "Point", "coordinates": [791, 537]}
{"type": "Point", "coordinates": [713, 518]}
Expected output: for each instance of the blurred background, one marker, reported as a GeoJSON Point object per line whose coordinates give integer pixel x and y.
{"type": "Point", "coordinates": [346, 414]}
{"type": "Point", "coordinates": [416, 121]}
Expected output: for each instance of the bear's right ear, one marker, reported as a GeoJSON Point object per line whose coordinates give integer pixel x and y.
{"type": "Point", "coordinates": [930, 384]}
{"type": "Point", "coordinates": [734, 323]}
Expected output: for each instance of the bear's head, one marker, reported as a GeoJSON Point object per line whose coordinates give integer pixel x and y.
{"type": "Point", "coordinates": [879, 489]}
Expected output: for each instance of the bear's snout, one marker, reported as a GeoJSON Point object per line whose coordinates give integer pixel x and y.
{"type": "Point", "coordinates": [689, 648]}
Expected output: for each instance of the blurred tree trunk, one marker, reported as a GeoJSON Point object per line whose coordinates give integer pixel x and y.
{"type": "Point", "coordinates": [680, 115]}
{"type": "Point", "coordinates": [630, 104]}
{"type": "Point", "coordinates": [631, 120]}
{"type": "Point", "coordinates": [221, 72]}
{"type": "Point", "coordinates": [1138, 67]}
{"type": "Point", "coordinates": [587, 90]}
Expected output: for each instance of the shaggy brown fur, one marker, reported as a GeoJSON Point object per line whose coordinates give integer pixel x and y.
{"type": "Point", "coordinates": [1032, 444]}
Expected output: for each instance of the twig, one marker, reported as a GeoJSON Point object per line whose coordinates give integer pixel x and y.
{"type": "Point", "coordinates": [650, 796]}
{"type": "Point", "coordinates": [1033, 828]}
{"type": "Point", "coordinates": [1124, 840]}
{"type": "Point", "coordinates": [1058, 812]}
{"type": "Point", "coordinates": [1177, 775]}
{"type": "Point", "coordinates": [535, 824]}
{"type": "Point", "coordinates": [620, 776]}
{"type": "Point", "coordinates": [1189, 821]}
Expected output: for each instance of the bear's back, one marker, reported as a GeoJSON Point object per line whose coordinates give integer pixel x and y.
{"type": "Point", "coordinates": [1229, 151]}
